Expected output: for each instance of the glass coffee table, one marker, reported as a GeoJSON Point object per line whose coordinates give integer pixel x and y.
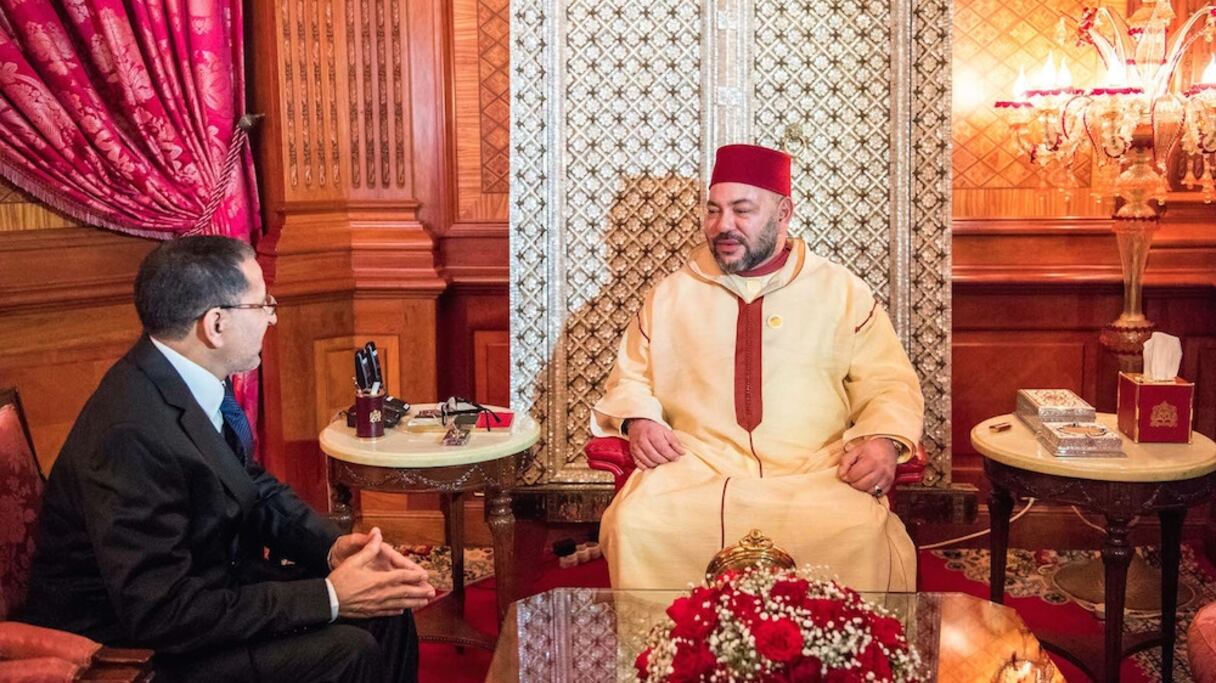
{"type": "Point", "coordinates": [569, 635]}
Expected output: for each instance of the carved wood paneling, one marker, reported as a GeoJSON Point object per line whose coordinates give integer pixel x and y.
{"type": "Point", "coordinates": [344, 93]}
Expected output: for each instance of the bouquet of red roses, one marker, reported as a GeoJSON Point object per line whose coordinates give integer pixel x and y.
{"type": "Point", "coordinates": [772, 626]}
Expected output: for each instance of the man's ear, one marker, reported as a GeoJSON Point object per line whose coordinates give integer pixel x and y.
{"type": "Point", "coordinates": [211, 327]}
{"type": "Point", "coordinates": [785, 210]}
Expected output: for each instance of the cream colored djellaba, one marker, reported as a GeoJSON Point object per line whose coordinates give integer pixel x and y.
{"type": "Point", "coordinates": [833, 372]}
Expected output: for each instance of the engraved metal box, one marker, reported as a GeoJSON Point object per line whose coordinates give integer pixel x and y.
{"type": "Point", "coordinates": [1038, 406]}
{"type": "Point", "coordinates": [1081, 439]}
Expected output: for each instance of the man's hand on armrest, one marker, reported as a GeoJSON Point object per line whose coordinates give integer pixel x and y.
{"type": "Point", "coordinates": [870, 465]}
{"type": "Point", "coordinates": [378, 581]}
{"type": "Point", "coordinates": [651, 443]}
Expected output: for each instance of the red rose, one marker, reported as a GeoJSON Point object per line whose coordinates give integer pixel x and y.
{"type": "Point", "coordinates": [806, 670]}
{"type": "Point", "coordinates": [886, 630]}
{"type": "Point", "coordinates": [691, 663]}
{"type": "Point", "coordinates": [791, 592]}
{"type": "Point", "coordinates": [844, 676]}
{"type": "Point", "coordinates": [873, 660]}
{"type": "Point", "coordinates": [746, 607]}
{"type": "Point", "coordinates": [642, 663]}
{"type": "Point", "coordinates": [824, 610]}
{"type": "Point", "coordinates": [780, 640]}
{"type": "Point", "coordinates": [695, 618]}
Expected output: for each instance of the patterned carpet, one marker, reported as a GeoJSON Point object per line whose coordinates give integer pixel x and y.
{"type": "Point", "coordinates": [437, 561]}
{"type": "Point", "coordinates": [1030, 574]}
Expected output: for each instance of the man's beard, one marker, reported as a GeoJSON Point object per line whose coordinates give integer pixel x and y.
{"type": "Point", "coordinates": [753, 254]}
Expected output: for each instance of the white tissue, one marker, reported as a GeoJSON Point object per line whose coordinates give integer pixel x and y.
{"type": "Point", "coordinates": [1162, 357]}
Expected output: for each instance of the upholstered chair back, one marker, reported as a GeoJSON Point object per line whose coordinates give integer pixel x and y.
{"type": "Point", "coordinates": [21, 485]}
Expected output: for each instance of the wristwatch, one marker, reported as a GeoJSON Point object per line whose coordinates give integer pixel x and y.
{"type": "Point", "coordinates": [899, 446]}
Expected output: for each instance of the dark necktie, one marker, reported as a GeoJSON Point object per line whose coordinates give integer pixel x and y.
{"type": "Point", "coordinates": [236, 426]}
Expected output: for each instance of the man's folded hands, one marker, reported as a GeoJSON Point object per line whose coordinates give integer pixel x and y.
{"type": "Point", "coordinates": [373, 579]}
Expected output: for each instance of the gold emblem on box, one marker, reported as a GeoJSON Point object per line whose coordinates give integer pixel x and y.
{"type": "Point", "coordinates": [1164, 414]}
{"type": "Point", "coordinates": [754, 551]}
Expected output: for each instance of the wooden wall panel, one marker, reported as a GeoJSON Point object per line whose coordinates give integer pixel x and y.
{"type": "Point", "coordinates": [464, 312]}
{"type": "Point", "coordinates": [355, 161]}
{"type": "Point", "coordinates": [65, 317]}
{"type": "Point", "coordinates": [492, 367]}
{"type": "Point", "coordinates": [473, 249]}
{"type": "Point", "coordinates": [481, 89]}
{"type": "Point", "coordinates": [20, 213]}
{"type": "Point", "coordinates": [987, 378]}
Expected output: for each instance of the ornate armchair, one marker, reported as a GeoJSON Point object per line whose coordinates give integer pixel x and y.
{"type": "Point", "coordinates": [29, 652]}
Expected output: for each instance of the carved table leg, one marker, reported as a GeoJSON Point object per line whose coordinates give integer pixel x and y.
{"type": "Point", "coordinates": [343, 512]}
{"type": "Point", "coordinates": [453, 531]}
{"type": "Point", "coordinates": [1116, 556]}
{"type": "Point", "coordinates": [502, 527]}
{"type": "Point", "coordinates": [1000, 505]}
{"type": "Point", "coordinates": [1171, 547]}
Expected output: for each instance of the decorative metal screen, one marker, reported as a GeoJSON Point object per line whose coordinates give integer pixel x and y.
{"type": "Point", "coordinates": [617, 107]}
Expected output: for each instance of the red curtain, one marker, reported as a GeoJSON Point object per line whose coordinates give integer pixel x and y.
{"type": "Point", "coordinates": [126, 114]}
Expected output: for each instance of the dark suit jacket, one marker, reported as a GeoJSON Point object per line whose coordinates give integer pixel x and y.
{"type": "Point", "coordinates": [152, 533]}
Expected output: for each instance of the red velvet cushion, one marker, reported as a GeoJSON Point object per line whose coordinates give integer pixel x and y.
{"type": "Point", "coordinates": [20, 500]}
{"type": "Point", "coordinates": [24, 641]}
{"type": "Point", "coordinates": [1201, 645]}
{"type": "Point", "coordinates": [38, 670]}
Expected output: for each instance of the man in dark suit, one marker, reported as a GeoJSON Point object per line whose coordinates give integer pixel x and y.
{"type": "Point", "coordinates": [155, 517]}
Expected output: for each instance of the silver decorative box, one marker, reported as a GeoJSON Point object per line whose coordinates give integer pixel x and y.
{"type": "Point", "coordinates": [1081, 439]}
{"type": "Point", "coordinates": [1038, 406]}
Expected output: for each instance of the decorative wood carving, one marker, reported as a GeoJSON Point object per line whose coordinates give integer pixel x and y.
{"type": "Point", "coordinates": [494, 57]}
{"type": "Point", "coordinates": [481, 108]}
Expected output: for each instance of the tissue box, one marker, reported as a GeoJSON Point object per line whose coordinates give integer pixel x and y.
{"type": "Point", "coordinates": [1081, 439]}
{"type": "Point", "coordinates": [1155, 411]}
{"type": "Point", "coordinates": [1038, 406]}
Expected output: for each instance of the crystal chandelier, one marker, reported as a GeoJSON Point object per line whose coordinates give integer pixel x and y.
{"type": "Point", "coordinates": [1133, 122]}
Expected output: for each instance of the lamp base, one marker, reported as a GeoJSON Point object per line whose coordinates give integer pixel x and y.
{"type": "Point", "coordinates": [1126, 337]}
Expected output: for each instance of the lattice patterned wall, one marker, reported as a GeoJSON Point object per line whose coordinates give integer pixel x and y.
{"type": "Point", "coordinates": [617, 106]}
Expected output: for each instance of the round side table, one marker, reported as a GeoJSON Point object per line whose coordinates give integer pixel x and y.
{"type": "Point", "coordinates": [402, 461]}
{"type": "Point", "coordinates": [1161, 478]}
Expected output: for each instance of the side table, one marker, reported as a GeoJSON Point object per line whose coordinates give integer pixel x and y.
{"type": "Point", "coordinates": [1154, 478]}
{"type": "Point", "coordinates": [417, 462]}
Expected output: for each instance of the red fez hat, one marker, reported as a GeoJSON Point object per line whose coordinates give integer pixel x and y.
{"type": "Point", "coordinates": [753, 165]}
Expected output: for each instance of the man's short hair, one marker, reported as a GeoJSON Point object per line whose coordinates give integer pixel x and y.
{"type": "Point", "coordinates": [182, 278]}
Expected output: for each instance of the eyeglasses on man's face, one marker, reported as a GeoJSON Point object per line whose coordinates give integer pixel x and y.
{"type": "Point", "coordinates": [269, 305]}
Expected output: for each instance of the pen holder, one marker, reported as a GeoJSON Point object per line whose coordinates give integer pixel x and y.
{"type": "Point", "coordinates": [369, 414]}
